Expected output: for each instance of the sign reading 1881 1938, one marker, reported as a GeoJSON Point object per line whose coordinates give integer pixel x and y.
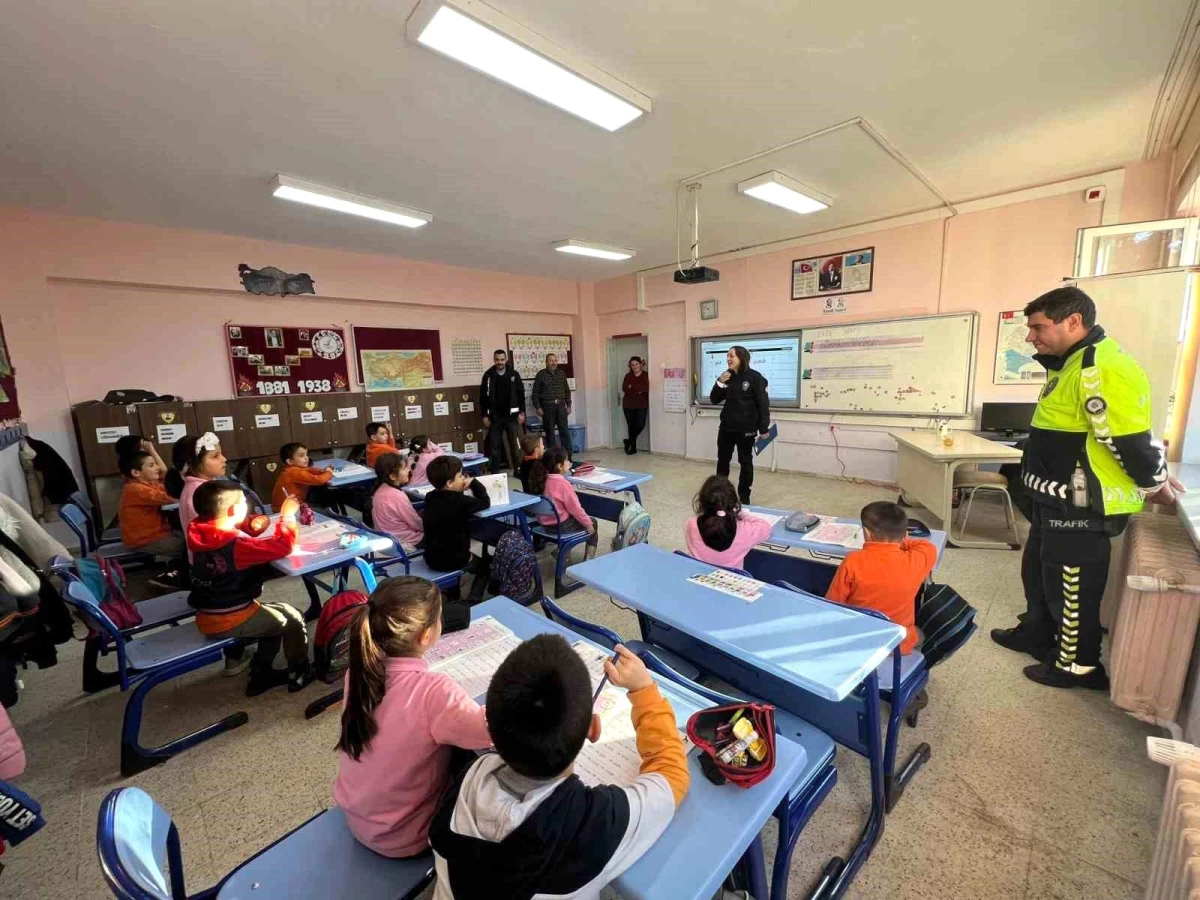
{"type": "Point", "coordinates": [266, 361]}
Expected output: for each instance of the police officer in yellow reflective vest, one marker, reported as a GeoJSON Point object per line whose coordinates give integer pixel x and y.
{"type": "Point", "coordinates": [1088, 465]}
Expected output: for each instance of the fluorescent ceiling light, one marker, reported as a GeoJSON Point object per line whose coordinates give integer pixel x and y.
{"type": "Point", "coordinates": [490, 42]}
{"type": "Point", "coordinates": [777, 188]}
{"type": "Point", "coordinates": [600, 251]}
{"type": "Point", "coordinates": [287, 188]}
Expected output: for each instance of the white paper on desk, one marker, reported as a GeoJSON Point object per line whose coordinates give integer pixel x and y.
{"type": "Point", "coordinates": [496, 487]}
{"type": "Point", "coordinates": [598, 476]}
{"type": "Point", "coordinates": [420, 489]}
{"type": "Point", "coordinates": [354, 469]}
{"type": "Point", "coordinates": [471, 657]}
{"type": "Point", "coordinates": [766, 517]}
{"type": "Point", "coordinates": [837, 533]}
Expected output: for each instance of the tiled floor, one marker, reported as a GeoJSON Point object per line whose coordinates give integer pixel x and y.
{"type": "Point", "coordinates": [1031, 793]}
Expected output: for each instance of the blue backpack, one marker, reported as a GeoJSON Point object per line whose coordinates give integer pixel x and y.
{"type": "Point", "coordinates": [633, 526]}
{"type": "Point", "coordinates": [515, 571]}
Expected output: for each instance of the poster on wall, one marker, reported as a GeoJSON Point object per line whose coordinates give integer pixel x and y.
{"type": "Point", "coordinates": [394, 370]}
{"type": "Point", "coordinates": [675, 390]}
{"type": "Point", "coordinates": [267, 360]}
{"type": "Point", "coordinates": [851, 272]}
{"type": "Point", "coordinates": [527, 353]}
{"type": "Point", "coordinates": [10, 410]}
{"type": "Point", "coordinates": [1014, 356]}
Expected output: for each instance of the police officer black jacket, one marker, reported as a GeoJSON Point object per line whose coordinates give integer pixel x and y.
{"type": "Point", "coordinates": [746, 409]}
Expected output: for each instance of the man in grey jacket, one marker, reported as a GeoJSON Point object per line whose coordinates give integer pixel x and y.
{"type": "Point", "coordinates": [552, 401]}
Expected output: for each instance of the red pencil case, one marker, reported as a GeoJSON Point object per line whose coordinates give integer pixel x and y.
{"type": "Point", "coordinates": [702, 729]}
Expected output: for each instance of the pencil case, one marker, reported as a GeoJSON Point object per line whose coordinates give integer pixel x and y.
{"type": "Point", "coordinates": [707, 728]}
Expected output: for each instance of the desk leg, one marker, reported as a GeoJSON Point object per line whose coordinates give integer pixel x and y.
{"type": "Point", "coordinates": [523, 522]}
{"type": "Point", "coordinates": [874, 827]}
{"type": "Point", "coordinates": [756, 868]}
{"type": "Point", "coordinates": [314, 599]}
{"type": "Point", "coordinates": [637, 494]}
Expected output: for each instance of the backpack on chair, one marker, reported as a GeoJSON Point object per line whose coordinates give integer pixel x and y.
{"type": "Point", "coordinates": [331, 645]}
{"type": "Point", "coordinates": [515, 572]}
{"type": "Point", "coordinates": [633, 526]}
{"type": "Point", "coordinates": [946, 621]}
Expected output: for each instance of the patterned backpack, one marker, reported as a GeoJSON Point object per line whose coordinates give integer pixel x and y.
{"type": "Point", "coordinates": [633, 526]}
{"type": "Point", "coordinates": [515, 572]}
{"type": "Point", "coordinates": [331, 645]}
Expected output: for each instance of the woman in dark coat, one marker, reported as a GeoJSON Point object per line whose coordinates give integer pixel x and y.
{"type": "Point", "coordinates": [635, 401]}
{"type": "Point", "coordinates": [745, 415]}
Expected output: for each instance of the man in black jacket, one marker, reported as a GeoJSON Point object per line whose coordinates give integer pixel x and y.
{"type": "Point", "coordinates": [502, 407]}
{"type": "Point", "coordinates": [746, 413]}
{"type": "Point", "coordinates": [551, 398]}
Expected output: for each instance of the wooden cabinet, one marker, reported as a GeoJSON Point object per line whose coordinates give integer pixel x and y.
{"type": "Point", "coordinates": [347, 424]}
{"type": "Point", "coordinates": [263, 472]}
{"type": "Point", "coordinates": [441, 410]}
{"type": "Point", "coordinates": [264, 425]}
{"type": "Point", "coordinates": [470, 441]}
{"type": "Point", "coordinates": [465, 408]}
{"type": "Point", "coordinates": [98, 426]}
{"type": "Point", "coordinates": [310, 417]}
{"type": "Point", "coordinates": [381, 406]}
{"type": "Point", "coordinates": [220, 417]}
{"type": "Point", "coordinates": [166, 423]}
{"type": "Point", "coordinates": [415, 409]}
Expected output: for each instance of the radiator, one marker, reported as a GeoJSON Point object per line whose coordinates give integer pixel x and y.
{"type": "Point", "coordinates": [1175, 869]}
{"type": "Point", "coordinates": [1155, 628]}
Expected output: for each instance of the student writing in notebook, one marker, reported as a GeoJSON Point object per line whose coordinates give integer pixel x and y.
{"type": "Point", "coordinates": [400, 720]}
{"type": "Point", "coordinates": [721, 533]}
{"type": "Point", "coordinates": [519, 823]}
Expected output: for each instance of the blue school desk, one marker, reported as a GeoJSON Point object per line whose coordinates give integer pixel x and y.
{"type": "Point", "coordinates": [309, 565]}
{"type": "Point", "coordinates": [603, 500]}
{"type": "Point", "coordinates": [341, 479]}
{"type": "Point", "coordinates": [518, 502]}
{"type": "Point", "coordinates": [714, 826]}
{"type": "Point", "coordinates": [468, 464]}
{"type": "Point", "coordinates": [810, 658]}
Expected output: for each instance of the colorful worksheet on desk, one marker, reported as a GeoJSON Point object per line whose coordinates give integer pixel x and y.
{"type": "Point", "coordinates": [730, 583]}
{"type": "Point", "coordinates": [470, 657]}
{"type": "Point", "coordinates": [837, 533]}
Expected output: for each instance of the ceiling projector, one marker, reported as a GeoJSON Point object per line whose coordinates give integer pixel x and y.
{"type": "Point", "coordinates": [696, 275]}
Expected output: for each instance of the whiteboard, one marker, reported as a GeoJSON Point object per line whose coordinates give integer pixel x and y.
{"type": "Point", "coordinates": [921, 366]}
{"type": "Point", "coordinates": [775, 356]}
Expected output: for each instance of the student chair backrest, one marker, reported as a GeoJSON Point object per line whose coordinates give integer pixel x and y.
{"type": "Point", "coordinates": [656, 665]}
{"type": "Point", "coordinates": [138, 846]}
{"type": "Point", "coordinates": [79, 523]}
{"type": "Point", "coordinates": [254, 500]}
{"type": "Point", "coordinates": [597, 633]}
{"type": "Point", "coordinates": [787, 585]}
{"type": "Point", "coordinates": [733, 569]}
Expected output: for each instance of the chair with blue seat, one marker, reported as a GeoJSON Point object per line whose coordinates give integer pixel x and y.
{"type": "Point", "coordinates": [565, 541]}
{"type": "Point", "coordinates": [608, 638]}
{"type": "Point", "coordinates": [901, 678]}
{"type": "Point", "coordinates": [141, 859]}
{"type": "Point", "coordinates": [253, 500]}
{"type": "Point", "coordinates": [809, 575]}
{"type": "Point", "coordinates": [734, 569]}
{"type": "Point", "coordinates": [167, 609]}
{"type": "Point", "coordinates": [105, 536]}
{"type": "Point", "coordinates": [143, 663]}
{"type": "Point", "coordinates": [84, 529]}
{"type": "Point", "coordinates": [805, 797]}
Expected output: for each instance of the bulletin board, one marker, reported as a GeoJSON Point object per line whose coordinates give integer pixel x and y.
{"type": "Point", "coordinates": [271, 359]}
{"type": "Point", "coordinates": [528, 353]}
{"type": "Point", "coordinates": [411, 340]}
{"type": "Point", "coordinates": [850, 272]}
{"type": "Point", "coordinates": [10, 410]}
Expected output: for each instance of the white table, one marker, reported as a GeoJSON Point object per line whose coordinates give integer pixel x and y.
{"type": "Point", "coordinates": [925, 472]}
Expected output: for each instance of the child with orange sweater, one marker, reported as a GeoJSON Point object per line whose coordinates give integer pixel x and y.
{"type": "Point", "coordinates": [379, 441]}
{"type": "Point", "coordinates": [144, 526]}
{"type": "Point", "coordinates": [297, 476]}
{"type": "Point", "coordinates": [887, 572]}
{"type": "Point", "coordinates": [518, 824]}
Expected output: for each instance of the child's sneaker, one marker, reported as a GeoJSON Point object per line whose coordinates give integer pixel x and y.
{"type": "Point", "coordinates": [235, 665]}
{"type": "Point", "coordinates": [262, 680]}
{"type": "Point", "coordinates": [167, 581]}
{"type": "Point", "coordinates": [299, 678]}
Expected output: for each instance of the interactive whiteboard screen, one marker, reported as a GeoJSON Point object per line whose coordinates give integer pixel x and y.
{"type": "Point", "coordinates": [905, 367]}
{"type": "Point", "coordinates": [776, 356]}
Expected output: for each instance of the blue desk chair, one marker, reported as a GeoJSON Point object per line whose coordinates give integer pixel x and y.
{"type": "Point", "coordinates": [610, 639]}
{"type": "Point", "coordinates": [141, 858]}
{"type": "Point", "coordinates": [145, 662]}
{"type": "Point", "coordinates": [804, 798]}
{"type": "Point", "coordinates": [167, 609]}
{"type": "Point", "coordinates": [565, 543]}
{"type": "Point", "coordinates": [108, 535]}
{"type": "Point", "coordinates": [808, 575]}
{"type": "Point", "coordinates": [734, 569]}
{"type": "Point", "coordinates": [413, 564]}
{"type": "Point", "coordinates": [255, 502]}
{"type": "Point", "coordinates": [900, 679]}
{"type": "Point", "coordinates": [84, 529]}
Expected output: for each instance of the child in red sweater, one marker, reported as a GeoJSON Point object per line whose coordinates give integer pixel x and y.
{"type": "Point", "coordinates": [887, 572]}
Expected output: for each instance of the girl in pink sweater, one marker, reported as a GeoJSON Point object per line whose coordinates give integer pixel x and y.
{"type": "Point", "coordinates": [198, 459]}
{"type": "Point", "coordinates": [12, 753]}
{"type": "Point", "coordinates": [399, 720]}
{"type": "Point", "coordinates": [422, 452]}
{"type": "Point", "coordinates": [546, 477]}
{"type": "Point", "coordinates": [391, 509]}
{"type": "Point", "coordinates": [721, 534]}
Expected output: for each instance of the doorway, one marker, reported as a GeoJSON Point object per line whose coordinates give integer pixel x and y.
{"type": "Point", "coordinates": [619, 351]}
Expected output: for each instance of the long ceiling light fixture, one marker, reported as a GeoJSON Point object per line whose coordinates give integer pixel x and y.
{"type": "Point", "coordinates": [777, 188]}
{"type": "Point", "coordinates": [490, 42]}
{"type": "Point", "coordinates": [286, 187]}
{"type": "Point", "coordinates": [586, 248]}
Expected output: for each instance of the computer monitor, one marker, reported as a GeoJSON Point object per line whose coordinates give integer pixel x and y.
{"type": "Point", "coordinates": [1006, 418]}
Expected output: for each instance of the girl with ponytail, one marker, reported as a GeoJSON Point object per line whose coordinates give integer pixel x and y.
{"type": "Point", "coordinates": [722, 533]}
{"type": "Point", "coordinates": [399, 720]}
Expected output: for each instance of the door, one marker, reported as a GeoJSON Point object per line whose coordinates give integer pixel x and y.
{"type": "Point", "coordinates": [619, 351]}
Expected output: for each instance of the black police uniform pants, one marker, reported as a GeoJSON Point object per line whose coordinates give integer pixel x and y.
{"type": "Point", "coordinates": [1064, 570]}
{"type": "Point", "coordinates": [726, 441]}
{"type": "Point", "coordinates": [504, 431]}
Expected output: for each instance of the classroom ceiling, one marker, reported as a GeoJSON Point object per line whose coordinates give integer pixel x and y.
{"type": "Point", "coordinates": [180, 114]}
